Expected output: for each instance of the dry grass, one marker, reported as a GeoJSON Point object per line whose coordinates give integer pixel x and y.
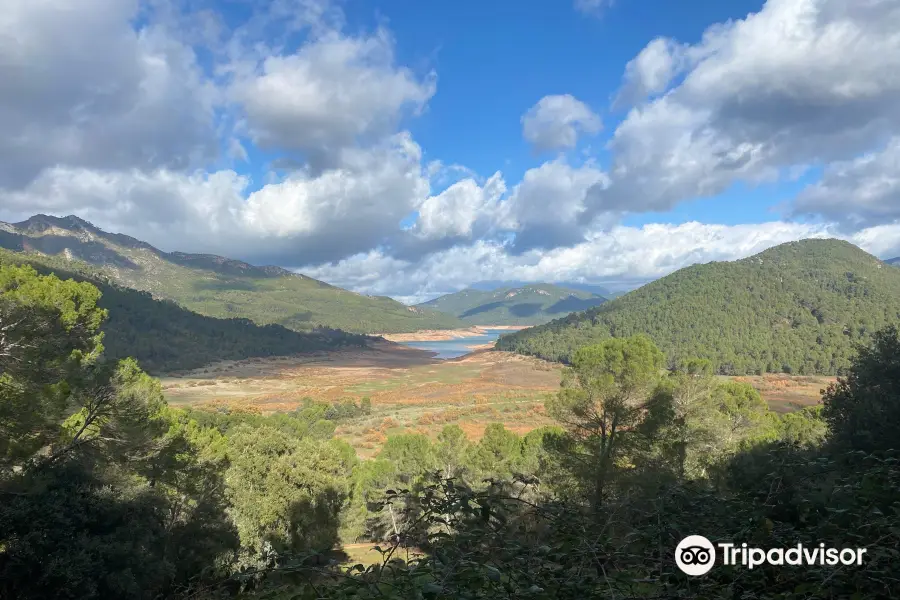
{"type": "Point", "coordinates": [410, 391]}
{"type": "Point", "coordinates": [785, 393]}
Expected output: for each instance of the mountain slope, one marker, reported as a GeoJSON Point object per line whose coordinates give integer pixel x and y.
{"type": "Point", "coordinates": [216, 286]}
{"type": "Point", "coordinates": [799, 307]}
{"type": "Point", "coordinates": [527, 305]}
{"type": "Point", "coordinates": [163, 336]}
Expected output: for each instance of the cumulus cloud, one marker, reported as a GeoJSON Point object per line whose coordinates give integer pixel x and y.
{"type": "Point", "coordinates": [860, 192]}
{"type": "Point", "coordinates": [619, 253]}
{"type": "Point", "coordinates": [546, 207]}
{"type": "Point", "coordinates": [333, 92]}
{"type": "Point", "coordinates": [555, 122]}
{"type": "Point", "coordinates": [344, 210]}
{"type": "Point", "coordinates": [880, 240]}
{"type": "Point", "coordinates": [651, 71]}
{"type": "Point", "coordinates": [303, 219]}
{"type": "Point", "coordinates": [174, 210]}
{"type": "Point", "coordinates": [455, 211]}
{"type": "Point", "coordinates": [81, 87]}
{"type": "Point", "coordinates": [801, 82]}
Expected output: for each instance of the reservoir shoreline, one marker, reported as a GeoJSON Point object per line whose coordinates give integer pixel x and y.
{"type": "Point", "coordinates": [440, 335]}
{"type": "Point", "coordinates": [454, 343]}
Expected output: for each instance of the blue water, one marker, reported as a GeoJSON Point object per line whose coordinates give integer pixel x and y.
{"type": "Point", "coordinates": [458, 346]}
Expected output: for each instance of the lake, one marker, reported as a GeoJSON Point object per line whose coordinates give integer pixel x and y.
{"type": "Point", "coordinates": [456, 347]}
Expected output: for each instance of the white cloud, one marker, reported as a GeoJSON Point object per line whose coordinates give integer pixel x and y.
{"type": "Point", "coordinates": [455, 211]}
{"type": "Point", "coordinates": [880, 240]}
{"type": "Point", "coordinates": [546, 207]}
{"type": "Point", "coordinates": [332, 93]}
{"type": "Point", "coordinates": [860, 192]}
{"type": "Point", "coordinates": [620, 253]}
{"type": "Point", "coordinates": [555, 122]}
{"type": "Point", "coordinates": [802, 82]}
{"type": "Point", "coordinates": [651, 71]}
{"type": "Point", "coordinates": [82, 88]}
{"type": "Point", "coordinates": [176, 211]}
{"type": "Point", "coordinates": [341, 211]}
{"type": "Point", "coordinates": [303, 219]}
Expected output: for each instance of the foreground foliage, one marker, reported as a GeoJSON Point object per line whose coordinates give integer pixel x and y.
{"type": "Point", "coordinates": [106, 492]}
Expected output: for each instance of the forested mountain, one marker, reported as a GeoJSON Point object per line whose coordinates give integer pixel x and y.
{"type": "Point", "coordinates": [526, 305]}
{"type": "Point", "coordinates": [800, 307]}
{"type": "Point", "coordinates": [216, 286]}
{"type": "Point", "coordinates": [163, 336]}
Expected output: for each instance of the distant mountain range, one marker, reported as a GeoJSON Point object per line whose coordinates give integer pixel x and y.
{"type": "Point", "coordinates": [893, 261]}
{"type": "Point", "coordinates": [802, 307]}
{"type": "Point", "coordinates": [599, 290]}
{"type": "Point", "coordinates": [531, 304]}
{"type": "Point", "coordinates": [217, 286]}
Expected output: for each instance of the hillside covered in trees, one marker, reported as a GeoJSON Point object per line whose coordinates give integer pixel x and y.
{"type": "Point", "coordinates": [525, 305]}
{"type": "Point", "coordinates": [216, 286]}
{"type": "Point", "coordinates": [163, 336]}
{"type": "Point", "coordinates": [801, 307]}
{"type": "Point", "coordinates": [108, 492]}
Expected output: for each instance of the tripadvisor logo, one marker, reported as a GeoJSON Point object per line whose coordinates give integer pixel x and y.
{"type": "Point", "coordinates": [695, 555]}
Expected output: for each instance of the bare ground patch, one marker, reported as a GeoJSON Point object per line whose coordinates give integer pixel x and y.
{"type": "Point", "coordinates": [786, 393]}
{"type": "Point", "coordinates": [409, 389]}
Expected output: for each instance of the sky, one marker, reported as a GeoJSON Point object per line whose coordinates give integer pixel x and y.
{"type": "Point", "coordinates": [413, 149]}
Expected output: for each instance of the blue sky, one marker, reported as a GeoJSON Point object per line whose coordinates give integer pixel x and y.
{"type": "Point", "coordinates": [416, 148]}
{"type": "Point", "coordinates": [495, 60]}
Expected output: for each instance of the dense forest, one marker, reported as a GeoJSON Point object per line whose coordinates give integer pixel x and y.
{"type": "Point", "coordinates": [165, 337]}
{"type": "Point", "coordinates": [215, 286]}
{"type": "Point", "coordinates": [524, 305]}
{"type": "Point", "coordinates": [107, 492]}
{"type": "Point", "coordinates": [797, 308]}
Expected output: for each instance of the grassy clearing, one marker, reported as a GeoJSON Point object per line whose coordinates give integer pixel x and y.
{"type": "Point", "coordinates": [365, 554]}
{"type": "Point", "coordinates": [415, 394]}
{"type": "Point", "coordinates": [786, 393]}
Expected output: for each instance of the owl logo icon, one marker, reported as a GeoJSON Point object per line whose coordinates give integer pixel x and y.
{"type": "Point", "coordinates": [695, 555]}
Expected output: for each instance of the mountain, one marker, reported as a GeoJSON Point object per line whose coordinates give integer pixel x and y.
{"type": "Point", "coordinates": [893, 261]}
{"type": "Point", "coordinates": [527, 305]}
{"type": "Point", "coordinates": [800, 307]}
{"type": "Point", "coordinates": [600, 290]}
{"type": "Point", "coordinates": [216, 286]}
{"type": "Point", "coordinates": [164, 337]}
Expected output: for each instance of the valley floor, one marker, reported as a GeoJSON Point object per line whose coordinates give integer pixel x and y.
{"type": "Point", "coordinates": [411, 391]}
